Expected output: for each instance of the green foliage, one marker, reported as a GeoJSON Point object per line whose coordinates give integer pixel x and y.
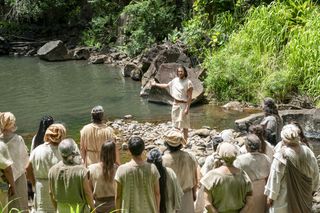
{"type": "Point", "coordinates": [48, 11]}
{"type": "Point", "coordinates": [275, 53]}
{"type": "Point", "coordinates": [96, 35]}
{"type": "Point", "coordinates": [148, 21]}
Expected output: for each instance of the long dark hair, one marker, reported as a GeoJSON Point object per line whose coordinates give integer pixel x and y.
{"type": "Point", "coordinates": [155, 157]}
{"type": "Point", "coordinates": [258, 130]}
{"type": "Point", "coordinates": [303, 138]}
{"type": "Point", "coordinates": [45, 122]}
{"type": "Point", "coordinates": [108, 159]}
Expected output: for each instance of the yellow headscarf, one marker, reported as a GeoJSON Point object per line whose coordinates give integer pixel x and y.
{"type": "Point", "coordinates": [55, 133]}
{"type": "Point", "coordinates": [7, 122]}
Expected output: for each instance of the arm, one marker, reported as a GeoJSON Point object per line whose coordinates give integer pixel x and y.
{"type": "Point", "coordinates": [9, 176]}
{"type": "Point", "coordinates": [30, 174]}
{"type": "Point", "coordinates": [118, 194]}
{"type": "Point", "coordinates": [157, 194]}
{"type": "Point", "coordinates": [88, 193]}
{"type": "Point", "coordinates": [196, 186]}
{"type": "Point", "coordinates": [189, 94]}
{"type": "Point", "coordinates": [83, 151]}
{"type": "Point", "coordinates": [153, 83]}
{"type": "Point", "coordinates": [248, 204]}
{"type": "Point", "coordinates": [53, 199]}
{"type": "Point", "coordinates": [208, 202]}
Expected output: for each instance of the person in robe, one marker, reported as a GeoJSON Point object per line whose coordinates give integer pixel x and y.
{"type": "Point", "coordinates": [185, 166]}
{"type": "Point", "coordinates": [37, 140]}
{"type": "Point", "coordinates": [181, 90]}
{"type": "Point", "coordinates": [265, 146]}
{"type": "Point", "coordinates": [19, 154]}
{"type": "Point", "coordinates": [227, 188]}
{"type": "Point", "coordinates": [137, 182]}
{"type": "Point", "coordinates": [272, 122]}
{"type": "Point", "coordinates": [7, 186]}
{"type": "Point", "coordinates": [69, 186]}
{"type": "Point", "coordinates": [170, 190]}
{"type": "Point", "coordinates": [294, 175]}
{"type": "Point", "coordinates": [257, 166]}
{"type": "Point", "coordinates": [41, 160]}
{"type": "Point", "coordinates": [102, 178]}
{"type": "Point", "coordinates": [93, 135]}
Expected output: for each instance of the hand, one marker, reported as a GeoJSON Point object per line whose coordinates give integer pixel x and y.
{"type": "Point", "coordinates": [186, 111]}
{"type": "Point", "coordinates": [269, 202]}
{"type": "Point", "coordinates": [11, 190]}
{"type": "Point", "coordinates": [153, 83]}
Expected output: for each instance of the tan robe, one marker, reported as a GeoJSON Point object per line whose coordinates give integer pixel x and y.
{"type": "Point", "coordinates": [92, 136]}
{"type": "Point", "coordinates": [257, 166]}
{"type": "Point", "coordinates": [178, 90]}
{"type": "Point", "coordinates": [185, 166]}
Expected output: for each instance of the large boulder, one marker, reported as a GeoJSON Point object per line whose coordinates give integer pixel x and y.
{"type": "Point", "coordinates": [54, 51]}
{"type": "Point", "coordinates": [309, 119]}
{"type": "Point", "coordinates": [4, 46]}
{"type": "Point", "coordinates": [167, 72]}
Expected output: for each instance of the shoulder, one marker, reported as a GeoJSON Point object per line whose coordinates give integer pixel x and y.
{"type": "Point", "coordinates": [86, 127]}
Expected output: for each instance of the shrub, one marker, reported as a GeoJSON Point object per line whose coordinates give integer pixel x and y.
{"type": "Point", "coordinates": [274, 53]}
{"type": "Point", "coordinates": [149, 21]}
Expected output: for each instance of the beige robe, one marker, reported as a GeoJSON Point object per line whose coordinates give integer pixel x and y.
{"type": "Point", "coordinates": [19, 154]}
{"type": "Point", "coordinates": [92, 136]}
{"type": "Point", "coordinates": [138, 183]}
{"type": "Point", "coordinates": [185, 166]}
{"type": "Point", "coordinates": [276, 188]}
{"type": "Point", "coordinates": [257, 166]}
{"type": "Point", "coordinates": [178, 90]}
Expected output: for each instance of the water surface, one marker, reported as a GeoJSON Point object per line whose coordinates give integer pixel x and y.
{"type": "Point", "coordinates": [31, 88]}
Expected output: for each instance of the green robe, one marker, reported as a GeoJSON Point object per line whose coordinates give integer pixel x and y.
{"type": "Point", "coordinates": [66, 183]}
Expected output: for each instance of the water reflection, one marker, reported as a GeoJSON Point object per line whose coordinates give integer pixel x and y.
{"type": "Point", "coordinates": [31, 88]}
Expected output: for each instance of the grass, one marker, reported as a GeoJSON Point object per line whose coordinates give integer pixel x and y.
{"type": "Point", "coordinates": [275, 53]}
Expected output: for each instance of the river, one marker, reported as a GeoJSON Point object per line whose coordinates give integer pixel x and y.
{"type": "Point", "coordinates": [31, 88]}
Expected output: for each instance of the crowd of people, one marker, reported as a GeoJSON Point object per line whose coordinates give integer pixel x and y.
{"type": "Point", "coordinates": [274, 171]}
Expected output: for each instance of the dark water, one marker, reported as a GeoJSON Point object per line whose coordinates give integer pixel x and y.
{"type": "Point", "coordinates": [31, 88]}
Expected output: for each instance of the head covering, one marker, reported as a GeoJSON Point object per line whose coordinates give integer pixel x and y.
{"type": "Point", "coordinates": [227, 150]}
{"type": "Point", "coordinates": [253, 142]}
{"type": "Point", "coordinates": [290, 133]}
{"type": "Point", "coordinates": [97, 109]}
{"type": "Point", "coordinates": [7, 122]}
{"type": "Point", "coordinates": [154, 156]}
{"type": "Point", "coordinates": [174, 138]}
{"type": "Point", "coordinates": [55, 133]}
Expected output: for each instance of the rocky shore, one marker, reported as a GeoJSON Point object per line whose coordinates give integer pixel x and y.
{"type": "Point", "coordinates": [200, 142]}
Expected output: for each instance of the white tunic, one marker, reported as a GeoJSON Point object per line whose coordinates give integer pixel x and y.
{"type": "Point", "coordinates": [276, 188]}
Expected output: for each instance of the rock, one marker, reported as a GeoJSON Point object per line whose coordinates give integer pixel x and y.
{"type": "Point", "coordinates": [202, 132]}
{"type": "Point", "coordinates": [4, 46]}
{"type": "Point", "coordinates": [128, 117]}
{"type": "Point", "coordinates": [165, 73]}
{"type": "Point", "coordinates": [53, 51]}
{"type": "Point", "coordinates": [149, 147]}
{"type": "Point", "coordinates": [127, 69]}
{"type": "Point", "coordinates": [81, 53]}
{"type": "Point", "coordinates": [97, 59]}
{"type": "Point", "coordinates": [124, 146]}
{"type": "Point", "coordinates": [31, 52]}
{"type": "Point", "coordinates": [233, 105]}
{"type": "Point", "coordinates": [136, 74]}
{"type": "Point", "coordinates": [309, 119]}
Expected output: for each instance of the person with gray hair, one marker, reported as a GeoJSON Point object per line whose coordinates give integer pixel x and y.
{"type": "Point", "coordinates": [93, 135]}
{"type": "Point", "coordinates": [257, 166]}
{"type": "Point", "coordinates": [294, 175]}
{"type": "Point", "coordinates": [227, 188]}
{"type": "Point", "coordinates": [69, 182]}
